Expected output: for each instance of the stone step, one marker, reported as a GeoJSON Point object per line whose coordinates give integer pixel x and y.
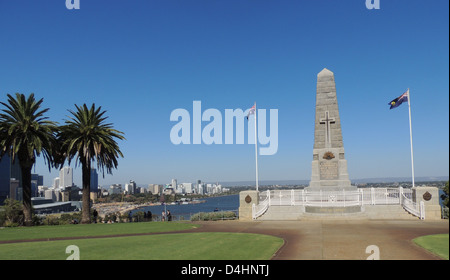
{"type": "Point", "coordinates": [388, 212]}
{"type": "Point", "coordinates": [341, 216]}
{"type": "Point", "coordinates": [394, 212]}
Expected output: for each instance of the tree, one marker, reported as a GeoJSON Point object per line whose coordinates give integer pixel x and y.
{"type": "Point", "coordinates": [87, 138]}
{"type": "Point", "coordinates": [25, 133]}
{"type": "Point", "coordinates": [445, 196]}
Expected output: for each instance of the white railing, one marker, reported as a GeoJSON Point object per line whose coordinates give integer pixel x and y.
{"type": "Point", "coordinates": [409, 205]}
{"type": "Point", "coordinates": [261, 208]}
{"type": "Point", "coordinates": [380, 196]}
{"type": "Point", "coordinates": [360, 197]}
{"type": "Point", "coordinates": [332, 198]}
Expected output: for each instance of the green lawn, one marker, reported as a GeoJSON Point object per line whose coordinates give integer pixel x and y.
{"type": "Point", "coordinates": [170, 246]}
{"type": "Point", "coordinates": [61, 231]}
{"type": "Point", "coordinates": [437, 244]}
{"type": "Point", "coordinates": [177, 246]}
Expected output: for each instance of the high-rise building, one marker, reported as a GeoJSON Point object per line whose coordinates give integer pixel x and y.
{"type": "Point", "coordinates": [66, 177]}
{"type": "Point", "coordinates": [130, 188]}
{"type": "Point", "coordinates": [187, 188]}
{"type": "Point", "coordinates": [174, 184]}
{"type": "Point", "coordinates": [5, 177]}
{"type": "Point", "coordinates": [201, 189]}
{"type": "Point", "coordinates": [36, 181]}
{"type": "Point", "coordinates": [56, 183]}
{"type": "Point", "coordinates": [155, 188]}
{"type": "Point", "coordinates": [94, 180]}
{"type": "Point", "coordinates": [115, 189]}
{"type": "Point", "coordinates": [10, 179]}
{"type": "Point", "coordinates": [197, 187]}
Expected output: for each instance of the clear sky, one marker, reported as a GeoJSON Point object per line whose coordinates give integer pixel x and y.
{"type": "Point", "coordinates": [142, 59]}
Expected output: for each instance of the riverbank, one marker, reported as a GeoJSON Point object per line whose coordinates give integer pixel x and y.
{"type": "Point", "coordinates": [104, 209]}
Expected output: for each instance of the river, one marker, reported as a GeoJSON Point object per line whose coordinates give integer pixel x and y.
{"type": "Point", "coordinates": [184, 211]}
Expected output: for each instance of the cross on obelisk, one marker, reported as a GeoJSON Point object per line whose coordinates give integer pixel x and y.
{"type": "Point", "coordinates": [327, 121]}
{"type": "Point", "coordinates": [329, 166]}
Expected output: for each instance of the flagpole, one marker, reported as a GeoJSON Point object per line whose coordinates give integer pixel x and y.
{"type": "Point", "coordinates": [410, 136]}
{"type": "Point", "coordinates": [256, 150]}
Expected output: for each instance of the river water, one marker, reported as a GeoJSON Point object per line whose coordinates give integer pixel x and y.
{"type": "Point", "coordinates": [184, 211]}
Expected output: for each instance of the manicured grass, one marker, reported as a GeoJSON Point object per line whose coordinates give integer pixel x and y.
{"type": "Point", "coordinates": [62, 231]}
{"type": "Point", "coordinates": [176, 246]}
{"type": "Point", "coordinates": [437, 244]}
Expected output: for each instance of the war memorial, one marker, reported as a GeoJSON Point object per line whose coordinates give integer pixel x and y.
{"type": "Point", "coordinates": [330, 194]}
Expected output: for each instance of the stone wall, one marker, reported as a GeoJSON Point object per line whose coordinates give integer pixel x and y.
{"type": "Point", "coordinates": [430, 197]}
{"type": "Point", "coordinates": [246, 201]}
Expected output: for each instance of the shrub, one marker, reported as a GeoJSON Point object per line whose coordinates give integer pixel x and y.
{"type": "Point", "coordinates": [11, 213]}
{"type": "Point", "coordinates": [214, 216]}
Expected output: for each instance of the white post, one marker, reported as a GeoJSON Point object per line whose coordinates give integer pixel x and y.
{"type": "Point", "coordinates": [253, 211]}
{"type": "Point", "coordinates": [372, 195]}
{"type": "Point", "coordinates": [400, 194]}
{"type": "Point", "coordinates": [256, 149]}
{"type": "Point", "coordinates": [361, 196]}
{"type": "Point", "coordinates": [279, 196]}
{"type": "Point", "coordinates": [410, 136]}
{"type": "Point", "coordinates": [303, 196]}
{"type": "Point", "coordinates": [292, 198]}
{"type": "Point", "coordinates": [422, 210]}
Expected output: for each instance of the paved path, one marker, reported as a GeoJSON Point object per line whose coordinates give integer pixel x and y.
{"type": "Point", "coordinates": [340, 240]}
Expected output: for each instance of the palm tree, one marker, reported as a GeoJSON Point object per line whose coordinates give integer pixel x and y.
{"type": "Point", "coordinates": [86, 137]}
{"type": "Point", "coordinates": [25, 133]}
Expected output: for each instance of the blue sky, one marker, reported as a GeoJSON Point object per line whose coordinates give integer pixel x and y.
{"type": "Point", "coordinates": [140, 60]}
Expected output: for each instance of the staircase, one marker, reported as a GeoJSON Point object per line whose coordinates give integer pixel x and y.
{"type": "Point", "coordinates": [368, 212]}
{"type": "Point", "coordinates": [391, 212]}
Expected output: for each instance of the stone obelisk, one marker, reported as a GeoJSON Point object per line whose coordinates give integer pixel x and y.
{"type": "Point", "coordinates": [329, 166]}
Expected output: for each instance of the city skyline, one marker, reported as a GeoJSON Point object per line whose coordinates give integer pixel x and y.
{"type": "Point", "coordinates": [141, 61]}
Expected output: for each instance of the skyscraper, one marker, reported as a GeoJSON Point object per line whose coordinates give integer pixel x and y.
{"type": "Point", "coordinates": [5, 175]}
{"type": "Point", "coordinates": [174, 184]}
{"type": "Point", "coordinates": [10, 179]}
{"type": "Point", "coordinates": [66, 177]}
{"type": "Point", "coordinates": [130, 188]}
{"type": "Point", "coordinates": [94, 180]}
{"type": "Point", "coordinates": [36, 180]}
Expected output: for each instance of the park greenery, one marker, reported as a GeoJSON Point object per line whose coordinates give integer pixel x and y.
{"type": "Point", "coordinates": [214, 216]}
{"type": "Point", "coordinates": [86, 137]}
{"type": "Point", "coordinates": [436, 243]}
{"type": "Point", "coordinates": [134, 241]}
{"type": "Point", "coordinates": [445, 196]}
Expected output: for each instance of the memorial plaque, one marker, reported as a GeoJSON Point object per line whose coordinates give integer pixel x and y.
{"type": "Point", "coordinates": [427, 196]}
{"type": "Point", "coordinates": [329, 170]}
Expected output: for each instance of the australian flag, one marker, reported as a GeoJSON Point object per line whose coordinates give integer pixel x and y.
{"type": "Point", "coordinates": [399, 100]}
{"type": "Point", "coordinates": [251, 111]}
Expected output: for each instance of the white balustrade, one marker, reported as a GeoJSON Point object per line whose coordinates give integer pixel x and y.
{"type": "Point", "coordinates": [360, 197]}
